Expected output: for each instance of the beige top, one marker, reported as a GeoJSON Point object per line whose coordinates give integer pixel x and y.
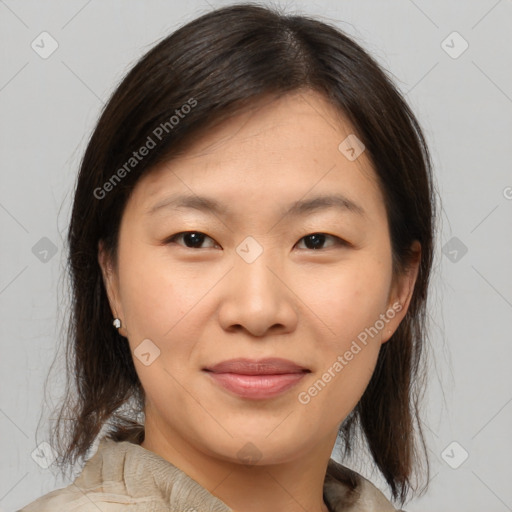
{"type": "Point", "coordinates": [124, 476]}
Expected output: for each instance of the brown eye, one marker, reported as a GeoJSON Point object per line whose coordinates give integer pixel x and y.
{"type": "Point", "coordinates": [191, 239]}
{"type": "Point", "coordinates": [316, 241]}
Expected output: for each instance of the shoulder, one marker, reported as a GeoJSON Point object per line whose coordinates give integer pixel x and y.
{"type": "Point", "coordinates": [347, 490]}
{"type": "Point", "coordinates": [70, 499]}
{"type": "Point", "coordinates": [117, 477]}
{"type": "Point", "coordinates": [92, 490]}
{"type": "Point", "coordinates": [73, 499]}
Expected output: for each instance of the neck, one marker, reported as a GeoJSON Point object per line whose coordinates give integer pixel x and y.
{"type": "Point", "coordinates": [294, 485]}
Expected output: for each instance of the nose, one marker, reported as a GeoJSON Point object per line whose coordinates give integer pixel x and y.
{"type": "Point", "coordinates": [257, 297]}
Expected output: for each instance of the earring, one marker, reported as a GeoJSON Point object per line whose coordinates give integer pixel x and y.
{"type": "Point", "coordinates": [116, 323]}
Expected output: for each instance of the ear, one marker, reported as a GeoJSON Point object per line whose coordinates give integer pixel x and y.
{"type": "Point", "coordinates": [111, 283]}
{"type": "Point", "coordinates": [401, 293]}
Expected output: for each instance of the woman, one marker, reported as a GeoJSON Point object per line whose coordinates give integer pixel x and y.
{"type": "Point", "coordinates": [250, 251]}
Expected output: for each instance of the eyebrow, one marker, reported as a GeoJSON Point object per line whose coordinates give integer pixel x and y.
{"type": "Point", "coordinates": [298, 208]}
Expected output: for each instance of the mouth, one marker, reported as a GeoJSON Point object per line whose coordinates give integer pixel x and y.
{"type": "Point", "coordinates": [268, 366]}
{"type": "Point", "coordinates": [257, 379]}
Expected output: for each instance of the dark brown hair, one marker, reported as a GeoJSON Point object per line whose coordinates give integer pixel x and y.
{"type": "Point", "coordinates": [219, 64]}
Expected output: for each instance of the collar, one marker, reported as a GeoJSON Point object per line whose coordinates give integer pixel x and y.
{"type": "Point", "coordinates": [124, 468]}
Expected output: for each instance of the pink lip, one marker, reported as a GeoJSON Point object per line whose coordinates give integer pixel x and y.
{"type": "Point", "coordinates": [259, 379]}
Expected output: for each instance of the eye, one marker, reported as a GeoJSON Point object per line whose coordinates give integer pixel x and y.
{"type": "Point", "coordinates": [192, 239]}
{"type": "Point", "coordinates": [315, 241]}
{"type": "Point", "coordinates": [195, 239]}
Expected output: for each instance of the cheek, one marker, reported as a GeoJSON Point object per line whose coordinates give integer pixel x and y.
{"type": "Point", "coordinates": [155, 295]}
{"type": "Point", "coordinates": [349, 302]}
{"type": "Point", "coordinates": [167, 302]}
{"type": "Point", "coordinates": [347, 355]}
{"type": "Point", "coordinates": [159, 304]}
{"type": "Point", "coordinates": [348, 299]}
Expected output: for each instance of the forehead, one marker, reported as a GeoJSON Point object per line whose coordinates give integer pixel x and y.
{"type": "Point", "coordinates": [285, 148]}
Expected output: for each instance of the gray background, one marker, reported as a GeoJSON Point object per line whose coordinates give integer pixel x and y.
{"type": "Point", "coordinates": [48, 107]}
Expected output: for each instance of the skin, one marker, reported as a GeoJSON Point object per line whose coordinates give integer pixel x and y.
{"type": "Point", "coordinates": [202, 304]}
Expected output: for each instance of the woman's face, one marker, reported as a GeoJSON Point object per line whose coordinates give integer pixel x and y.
{"type": "Point", "coordinates": [312, 286]}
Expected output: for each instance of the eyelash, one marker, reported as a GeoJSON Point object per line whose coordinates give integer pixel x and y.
{"type": "Point", "coordinates": [339, 241]}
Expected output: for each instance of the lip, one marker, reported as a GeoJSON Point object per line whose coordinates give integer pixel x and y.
{"type": "Point", "coordinates": [267, 366]}
{"type": "Point", "coordinates": [257, 379]}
